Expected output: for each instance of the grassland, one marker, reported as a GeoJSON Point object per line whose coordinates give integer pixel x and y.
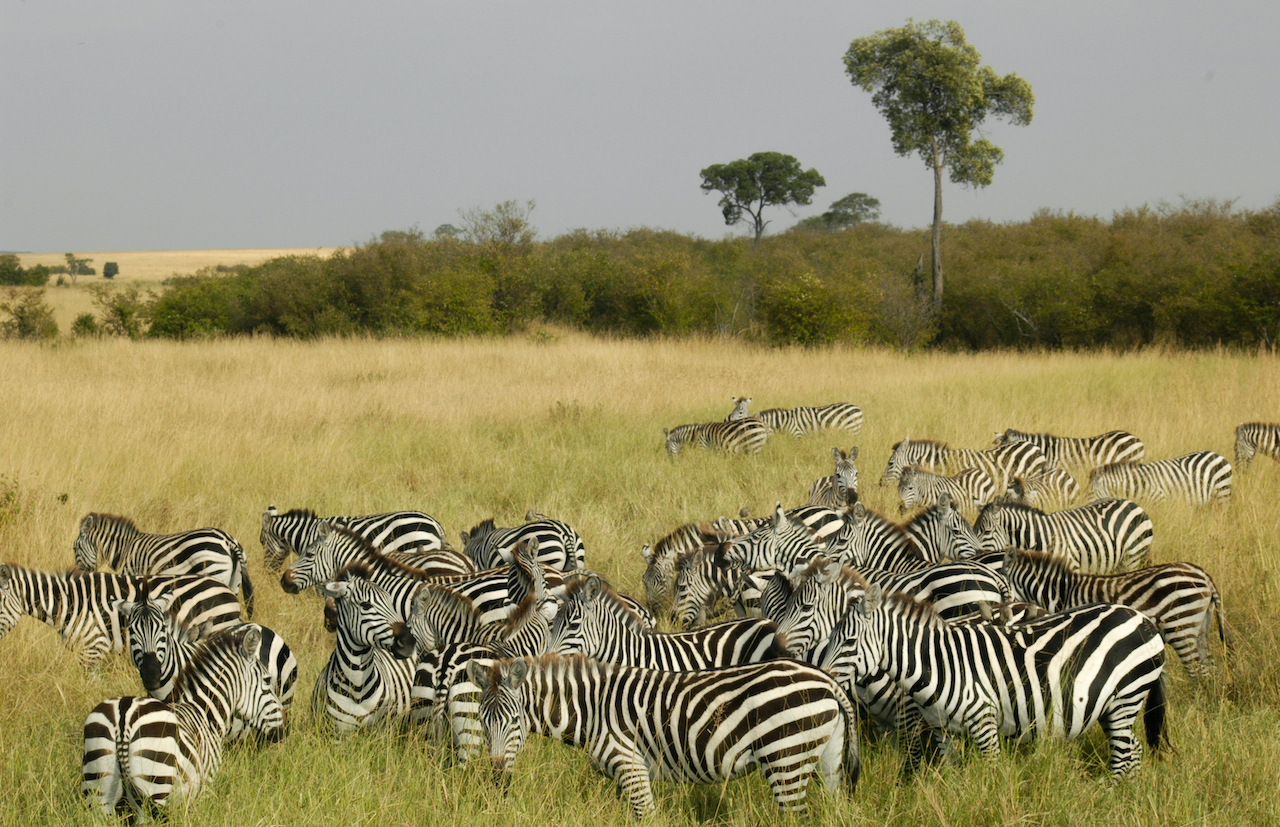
{"type": "Point", "coordinates": [184, 435]}
{"type": "Point", "coordinates": [143, 268]}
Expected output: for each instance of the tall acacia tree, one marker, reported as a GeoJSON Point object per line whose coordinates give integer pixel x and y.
{"type": "Point", "coordinates": [764, 179]}
{"type": "Point", "coordinates": [925, 79]}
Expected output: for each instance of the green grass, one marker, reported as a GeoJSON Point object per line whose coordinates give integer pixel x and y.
{"type": "Point", "coordinates": [178, 436]}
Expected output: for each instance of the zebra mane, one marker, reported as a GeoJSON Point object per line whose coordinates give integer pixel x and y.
{"type": "Point", "coordinates": [299, 512]}
{"type": "Point", "coordinates": [457, 606]}
{"type": "Point", "coordinates": [819, 563]}
{"type": "Point", "coordinates": [1046, 559]}
{"type": "Point", "coordinates": [704, 529]}
{"type": "Point", "coordinates": [356, 568]}
{"type": "Point", "coordinates": [520, 614]}
{"type": "Point", "coordinates": [209, 652]}
{"type": "Point", "coordinates": [936, 443]}
{"type": "Point", "coordinates": [485, 525]}
{"type": "Point", "coordinates": [611, 601]}
{"type": "Point", "coordinates": [694, 556]}
{"type": "Point", "coordinates": [100, 517]}
{"type": "Point", "coordinates": [913, 609]}
{"type": "Point", "coordinates": [1022, 508]}
{"type": "Point", "coordinates": [369, 556]}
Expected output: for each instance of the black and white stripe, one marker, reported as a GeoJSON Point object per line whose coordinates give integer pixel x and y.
{"type": "Point", "coordinates": [1253, 438]}
{"type": "Point", "coordinates": [1083, 452]}
{"type": "Point", "coordinates": [941, 533]}
{"type": "Point", "coordinates": [661, 559]}
{"type": "Point", "coordinates": [968, 489]}
{"type": "Point", "coordinates": [141, 752]}
{"type": "Point", "coordinates": [559, 546]}
{"type": "Point", "coordinates": [209, 552]}
{"type": "Point", "coordinates": [1054, 489]}
{"type": "Point", "coordinates": [1054, 676]}
{"type": "Point", "coordinates": [1102, 537]}
{"type": "Point", "coordinates": [1179, 597]}
{"type": "Point", "coordinates": [840, 488]}
{"type": "Point", "coordinates": [788, 719]}
{"type": "Point", "coordinates": [1018, 459]}
{"type": "Point", "coordinates": [81, 606]}
{"type": "Point", "coordinates": [408, 536]}
{"type": "Point", "coordinates": [807, 419]}
{"type": "Point", "coordinates": [739, 436]}
{"type": "Point", "coordinates": [702, 586]}
{"type": "Point", "coordinates": [1198, 478]}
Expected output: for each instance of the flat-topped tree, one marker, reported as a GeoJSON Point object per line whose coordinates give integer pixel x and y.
{"type": "Point", "coordinates": [925, 79]}
{"type": "Point", "coordinates": [765, 179]}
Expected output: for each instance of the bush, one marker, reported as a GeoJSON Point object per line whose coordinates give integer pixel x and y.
{"type": "Point", "coordinates": [110, 270]}
{"type": "Point", "coordinates": [29, 316]}
{"type": "Point", "coordinates": [85, 326]}
{"type": "Point", "coordinates": [122, 310]}
{"type": "Point", "coordinates": [12, 272]}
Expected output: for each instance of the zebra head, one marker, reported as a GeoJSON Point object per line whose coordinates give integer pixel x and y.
{"type": "Point", "coordinates": [674, 442]}
{"type": "Point", "coordinates": [695, 593]}
{"type": "Point", "coordinates": [474, 544]}
{"type": "Point", "coordinates": [741, 406]}
{"type": "Point", "coordinates": [953, 536]}
{"type": "Point", "coordinates": [761, 548]}
{"type": "Point", "coordinates": [897, 461]}
{"type": "Point", "coordinates": [235, 662]}
{"type": "Point", "coordinates": [365, 616]}
{"type": "Point", "coordinates": [1101, 482]}
{"type": "Point", "coordinates": [274, 547]}
{"type": "Point", "coordinates": [502, 711]}
{"type": "Point", "coordinates": [315, 563]}
{"type": "Point", "coordinates": [86, 546]}
{"type": "Point", "coordinates": [992, 528]}
{"type": "Point", "coordinates": [659, 570]}
{"type": "Point", "coordinates": [438, 616]}
{"type": "Point", "coordinates": [13, 604]}
{"type": "Point", "coordinates": [846, 474]}
{"type": "Point", "coordinates": [867, 651]}
{"type": "Point", "coordinates": [577, 627]}
{"type": "Point", "coordinates": [151, 645]}
{"type": "Point", "coordinates": [806, 618]}
{"type": "Point", "coordinates": [908, 488]}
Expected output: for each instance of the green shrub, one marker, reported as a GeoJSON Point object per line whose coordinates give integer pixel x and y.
{"type": "Point", "coordinates": [110, 270]}
{"type": "Point", "coordinates": [29, 317]}
{"type": "Point", "coordinates": [85, 326]}
{"type": "Point", "coordinates": [122, 311]}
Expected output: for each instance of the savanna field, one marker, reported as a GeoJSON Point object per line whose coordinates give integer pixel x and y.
{"type": "Point", "coordinates": [182, 435]}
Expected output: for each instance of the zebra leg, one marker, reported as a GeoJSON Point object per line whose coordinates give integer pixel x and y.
{"type": "Point", "coordinates": [788, 777]}
{"type": "Point", "coordinates": [621, 760]}
{"type": "Point", "coordinates": [463, 706]}
{"type": "Point", "coordinates": [101, 783]}
{"type": "Point", "coordinates": [986, 733]}
{"type": "Point", "coordinates": [1126, 751]}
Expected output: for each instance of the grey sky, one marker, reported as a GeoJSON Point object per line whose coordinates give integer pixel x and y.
{"type": "Point", "coordinates": [150, 125]}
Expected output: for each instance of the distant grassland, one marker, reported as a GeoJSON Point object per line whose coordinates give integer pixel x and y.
{"type": "Point", "coordinates": [146, 268]}
{"type": "Point", "coordinates": [184, 435]}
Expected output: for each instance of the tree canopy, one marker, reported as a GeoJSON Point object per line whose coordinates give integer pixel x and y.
{"type": "Point", "coordinates": [765, 179]}
{"type": "Point", "coordinates": [854, 208]}
{"type": "Point", "coordinates": [926, 80]}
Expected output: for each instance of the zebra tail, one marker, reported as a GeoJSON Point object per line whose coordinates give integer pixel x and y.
{"type": "Point", "coordinates": [1224, 633]}
{"type": "Point", "coordinates": [245, 585]}
{"type": "Point", "coordinates": [852, 760]}
{"type": "Point", "coordinates": [1153, 716]}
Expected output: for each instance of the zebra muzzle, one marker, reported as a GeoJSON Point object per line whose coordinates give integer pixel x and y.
{"type": "Point", "coordinates": [149, 671]}
{"type": "Point", "coordinates": [405, 643]}
{"type": "Point", "coordinates": [288, 583]}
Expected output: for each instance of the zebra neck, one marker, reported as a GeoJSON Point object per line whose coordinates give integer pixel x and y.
{"type": "Point", "coordinates": [563, 700]}
{"type": "Point", "coordinates": [202, 731]}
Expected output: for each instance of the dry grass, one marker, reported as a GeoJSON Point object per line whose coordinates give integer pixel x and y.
{"type": "Point", "coordinates": [183, 435]}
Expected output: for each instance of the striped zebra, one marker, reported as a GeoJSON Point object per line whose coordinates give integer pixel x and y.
{"type": "Point", "coordinates": [702, 585]}
{"type": "Point", "coordinates": [209, 552]}
{"type": "Point", "coordinates": [1103, 537]}
{"type": "Point", "coordinates": [1054, 488]}
{"type": "Point", "coordinates": [559, 546]}
{"type": "Point", "coordinates": [1016, 459]}
{"type": "Point", "coordinates": [660, 560]}
{"type": "Point", "coordinates": [740, 436]}
{"type": "Point", "coordinates": [368, 678]}
{"type": "Point", "coordinates": [872, 542]}
{"type": "Point", "coordinates": [1198, 478]}
{"type": "Point", "coordinates": [593, 622]}
{"type": "Point", "coordinates": [788, 719]}
{"type": "Point", "coordinates": [1054, 676]}
{"type": "Point", "coordinates": [411, 537]}
{"type": "Point", "coordinates": [786, 538]}
{"type": "Point", "coordinates": [803, 420]}
{"type": "Point", "coordinates": [1254, 438]}
{"type": "Point", "coordinates": [941, 533]}
{"type": "Point", "coordinates": [1083, 452]}
{"type": "Point", "coordinates": [160, 647]}
{"type": "Point", "coordinates": [741, 408]}
{"type": "Point", "coordinates": [81, 606]}
{"type": "Point", "coordinates": [968, 489]}
{"type": "Point", "coordinates": [1180, 598]}
{"type": "Point", "coordinates": [142, 753]}
{"type": "Point", "coordinates": [840, 488]}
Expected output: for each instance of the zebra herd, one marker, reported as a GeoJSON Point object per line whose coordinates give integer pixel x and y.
{"type": "Point", "coordinates": [1023, 623]}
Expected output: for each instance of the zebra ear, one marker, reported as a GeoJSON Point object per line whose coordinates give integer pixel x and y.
{"type": "Point", "coordinates": [122, 608]}
{"type": "Point", "coordinates": [592, 588]}
{"type": "Point", "coordinates": [330, 615]}
{"type": "Point", "coordinates": [944, 502]}
{"type": "Point", "coordinates": [335, 589]}
{"type": "Point", "coordinates": [859, 512]}
{"type": "Point", "coordinates": [872, 600]}
{"type": "Point", "coordinates": [87, 523]}
{"type": "Point", "coordinates": [251, 643]}
{"type": "Point", "coordinates": [837, 454]}
{"type": "Point", "coordinates": [323, 530]}
{"type": "Point", "coordinates": [479, 673]}
{"type": "Point", "coordinates": [853, 452]}
{"type": "Point", "coordinates": [421, 599]}
{"type": "Point", "coordinates": [6, 576]}
{"type": "Point", "coordinates": [830, 570]}
{"type": "Point", "coordinates": [516, 673]}
{"type": "Point", "coordinates": [779, 518]}
{"type": "Point", "coordinates": [1010, 555]}
{"type": "Point", "coordinates": [646, 551]}
{"type": "Point", "coordinates": [665, 432]}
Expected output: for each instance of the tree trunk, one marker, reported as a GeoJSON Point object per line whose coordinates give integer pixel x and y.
{"type": "Point", "coordinates": [937, 228]}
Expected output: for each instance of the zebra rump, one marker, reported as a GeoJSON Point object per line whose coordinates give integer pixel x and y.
{"type": "Point", "coordinates": [1198, 478]}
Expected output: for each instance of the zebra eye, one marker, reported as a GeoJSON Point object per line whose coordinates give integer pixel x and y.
{"type": "Point", "coordinates": [365, 604]}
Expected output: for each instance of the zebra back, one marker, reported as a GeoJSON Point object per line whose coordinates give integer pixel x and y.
{"type": "Point", "coordinates": [1253, 438]}
{"type": "Point", "coordinates": [968, 489]}
{"type": "Point", "coordinates": [1054, 489]}
{"type": "Point", "coordinates": [1085, 452]}
{"type": "Point", "coordinates": [559, 546]}
{"type": "Point", "coordinates": [1198, 478]}
{"type": "Point", "coordinates": [1102, 537]}
{"type": "Point", "coordinates": [746, 435]}
{"type": "Point", "coordinates": [413, 537]}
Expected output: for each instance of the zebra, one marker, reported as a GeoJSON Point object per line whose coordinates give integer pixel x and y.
{"type": "Point", "coordinates": [799, 421]}
{"type": "Point", "coordinates": [786, 718]}
{"type": "Point", "coordinates": [369, 676]}
{"type": "Point", "coordinates": [871, 542]}
{"type": "Point", "coordinates": [970, 488]}
{"type": "Point", "coordinates": [1102, 537]}
{"type": "Point", "coordinates": [142, 753]}
{"type": "Point", "coordinates": [1053, 488]}
{"type": "Point", "coordinates": [941, 533]}
{"type": "Point", "coordinates": [701, 585]}
{"type": "Point", "coordinates": [559, 546]}
{"type": "Point", "coordinates": [739, 436]}
{"type": "Point", "coordinates": [841, 488]}
{"type": "Point", "coordinates": [210, 552]}
{"type": "Point", "coordinates": [1057, 675]}
{"type": "Point", "coordinates": [412, 537]}
{"type": "Point", "coordinates": [1198, 478]}
{"type": "Point", "coordinates": [661, 559]}
{"type": "Point", "coordinates": [1085, 452]}
{"type": "Point", "coordinates": [81, 606]}
{"type": "Point", "coordinates": [1180, 598]}
{"type": "Point", "coordinates": [778, 542]}
{"type": "Point", "coordinates": [1016, 459]}
{"type": "Point", "coordinates": [160, 647]}
{"type": "Point", "coordinates": [593, 622]}
{"type": "Point", "coordinates": [1253, 438]}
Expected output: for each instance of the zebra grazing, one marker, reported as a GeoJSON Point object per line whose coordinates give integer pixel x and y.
{"type": "Point", "coordinates": [941, 533]}
{"type": "Point", "coordinates": [702, 584]}
{"type": "Point", "coordinates": [1054, 488]}
{"type": "Point", "coordinates": [739, 436]}
{"type": "Point", "coordinates": [660, 560]}
{"type": "Point", "coordinates": [411, 537]}
{"type": "Point", "coordinates": [160, 647]}
{"type": "Point", "coordinates": [144, 753]}
{"type": "Point", "coordinates": [1254, 438]}
{"type": "Point", "coordinates": [209, 552]}
{"type": "Point", "coordinates": [1085, 452]}
{"type": "Point", "coordinates": [1103, 537]}
{"type": "Point", "coordinates": [968, 489]}
{"type": "Point", "coordinates": [786, 718]}
{"type": "Point", "coordinates": [841, 488]}
{"type": "Point", "coordinates": [1180, 598]}
{"type": "Point", "coordinates": [1198, 478]}
{"type": "Point", "coordinates": [594, 622]}
{"type": "Point", "coordinates": [1016, 459]}
{"type": "Point", "coordinates": [559, 546]}
{"type": "Point", "coordinates": [1057, 675]}
{"type": "Point", "coordinates": [370, 674]}
{"type": "Point", "coordinates": [81, 606]}
{"type": "Point", "coordinates": [799, 421]}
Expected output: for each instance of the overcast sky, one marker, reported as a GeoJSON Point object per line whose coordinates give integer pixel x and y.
{"type": "Point", "coordinates": [161, 125]}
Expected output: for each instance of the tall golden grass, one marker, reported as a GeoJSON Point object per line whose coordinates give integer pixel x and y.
{"type": "Point", "coordinates": [184, 435]}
